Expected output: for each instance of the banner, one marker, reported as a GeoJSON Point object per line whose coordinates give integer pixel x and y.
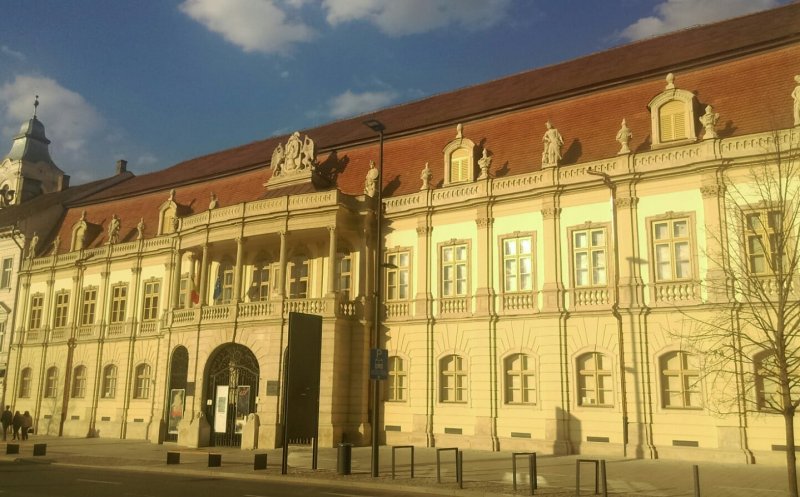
{"type": "Point", "coordinates": [221, 409]}
{"type": "Point", "coordinates": [176, 404]}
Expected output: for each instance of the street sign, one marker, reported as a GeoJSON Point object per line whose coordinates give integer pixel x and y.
{"type": "Point", "coordinates": [378, 364]}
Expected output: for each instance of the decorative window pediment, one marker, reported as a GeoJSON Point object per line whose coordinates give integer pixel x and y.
{"type": "Point", "coordinates": [168, 215]}
{"type": "Point", "coordinates": [672, 115]}
{"type": "Point", "coordinates": [83, 232]}
{"type": "Point", "coordinates": [459, 166]}
{"type": "Point", "coordinates": [293, 163]}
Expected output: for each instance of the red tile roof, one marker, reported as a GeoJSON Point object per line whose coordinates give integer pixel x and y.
{"type": "Point", "coordinates": [744, 67]}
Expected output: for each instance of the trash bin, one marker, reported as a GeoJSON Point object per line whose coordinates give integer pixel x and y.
{"type": "Point", "coordinates": [343, 458]}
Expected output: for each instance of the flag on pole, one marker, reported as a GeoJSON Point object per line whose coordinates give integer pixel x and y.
{"type": "Point", "coordinates": [218, 288]}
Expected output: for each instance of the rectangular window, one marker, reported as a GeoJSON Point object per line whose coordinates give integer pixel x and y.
{"type": "Point", "coordinates": [459, 165]}
{"type": "Point", "coordinates": [260, 287]}
{"type": "Point", "coordinates": [680, 381]}
{"type": "Point", "coordinates": [183, 291]}
{"type": "Point", "coordinates": [37, 305]}
{"type": "Point", "coordinates": [589, 257]}
{"type": "Point", "coordinates": [517, 264]}
{"type": "Point", "coordinates": [227, 284]}
{"type": "Point", "coordinates": [298, 280]}
{"type": "Point", "coordinates": [62, 310]}
{"type": "Point", "coordinates": [119, 301]}
{"type": "Point", "coordinates": [454, 270]}
{"type": "Point", "coordinates": [89, 306]}
{"type": "Point", "coordinates": [763, 230]}
{"type": "Point", "coordinates": [453, 379]}
{"type": "Point", "coordinates": [396, 385]}
{"type": "Point", "coordinates": [345, 276]}
{"type": "Point", "coordinates": [672, 250]}
{"type": "Point", "coordinates": [8, 268]}
{"type": "Point", "coordinates": [397, 274]}
{"type": "Point", "coordinates": [150, 308]}
{"type": "Point", "coordinates": [2, 335]}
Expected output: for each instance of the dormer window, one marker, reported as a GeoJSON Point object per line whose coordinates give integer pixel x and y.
{"type": "Point", "coordinates": [672, 116]}
{"type": "Point", "coordinates": [167, 215]}
{"type": "Point", "coordinates": [672, 121]}
{"type": "Point", "coordinates": [458, 160]}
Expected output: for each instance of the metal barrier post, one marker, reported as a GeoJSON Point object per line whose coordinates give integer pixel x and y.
{"type": "Point", "coordinates": [394, 448]}
{"type": "Point", "coordinates": [578, 475]}
{"type": "Point", "coordinates": [531, 469]}
{"type": "Point", "coordinates": [439, 466]}
{"type": "Point", "coordinates": [532, 473]}
{"type": "Point", "coordinates": [460, 469]}
{"type": "Point", "coordinates": [603, 476]}
{"type": "Point", "coordinates": [696, 472]}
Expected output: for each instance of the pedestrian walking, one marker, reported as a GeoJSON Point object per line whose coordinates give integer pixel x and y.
{"type": "Point", "coordinates": [16, 423]}
{"type": "Point", "coordinates": [27, 423]}
{"type": "Point", "coordinates": [6, 420]}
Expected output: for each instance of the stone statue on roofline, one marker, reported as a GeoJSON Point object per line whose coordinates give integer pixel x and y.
{"type": "Point", "coordinates": [552, 146]}
{"type": "Point", "coordinates": [56, 244]}
{"type": "Point", "coordinates": [709, 122]}
{"type": "Point", "coordinates": [113, 229]}
{"type": "Point", "coordinates": [426, 176]}
{"type": "Point", "coordinates": [32, 246]}
{"type": "Point", "coordinates": [624, 135]}
{"type": "Point", "coordinates": [297, 157]}
{"type": "Point", "coordinates": [140, 229]}
{"type": "Point", "coordinates": [371, 181]}
{"type": "Point", "coordinates": [213, 204]}
{"type": "Point", "coordinates": [485, 162]}
{"type": "Point", "coordinates": [796, 97]}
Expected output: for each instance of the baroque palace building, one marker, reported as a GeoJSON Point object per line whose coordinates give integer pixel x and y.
{"type": "Point", "coordinates": [539, 233]}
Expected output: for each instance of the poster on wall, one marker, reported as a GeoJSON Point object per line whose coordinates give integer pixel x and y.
{"type": "Point", "coordinates": [242, 406]}
{"type": "Point", "coordinates": [221, 409]}
{"type": "Point", "coordinates": [176, 405]}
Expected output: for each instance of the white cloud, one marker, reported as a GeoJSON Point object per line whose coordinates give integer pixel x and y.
{"type": "Point", "coordinates": [70, 121]}
{"type": "Point", "coordinates": [146, 160]}
{"type": "Point", "coordinates": [351, 104]}
{"type": "Point", "coordinates": [672, 15]}
{"type": "Point", "coordinates": [13, 53]}
{"type": "Point", "coordinates": [253, 25]}
{"type": "Point", "coordinates": [397, 18]}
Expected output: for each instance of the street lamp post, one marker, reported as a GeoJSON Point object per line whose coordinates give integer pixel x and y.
{"type": "Point", "coordinates": [615, 306]}
{"type": "Point", "coordinates": [379, 128]}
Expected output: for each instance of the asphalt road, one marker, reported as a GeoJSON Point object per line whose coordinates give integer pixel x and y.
{"type": "Point", "coordinates": [46, 480]}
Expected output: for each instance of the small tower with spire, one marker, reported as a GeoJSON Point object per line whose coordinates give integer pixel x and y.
{"type": "Point", "coordinates": [28, 168]}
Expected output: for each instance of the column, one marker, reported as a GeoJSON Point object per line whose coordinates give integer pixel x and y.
{"type": "Point", "coordinates": [237, 272]}
{"type": "Point", "coordinates": [175, 291]}
{"type": "Point", "coordinates": [553, 288]}
{"type": "Point", "coordinates": [203, 276]}
{"type": "Point", "coordinates": [331, 260]}
{"type": "Point", "coordinates": [484, 300]}
{"type": "Point", "coordinates": [281, 279]}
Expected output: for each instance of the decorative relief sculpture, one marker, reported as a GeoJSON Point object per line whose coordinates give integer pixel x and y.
{"type": "Point", "coordinates": [485, 162]}
{"type": "Point", "coordinates": [459, 131]}
{"type": "Point", "coordinates": [140, 229]}
{"type": "Point", "coordinates": [552, 146]}
{"type": "Point", "coordinates": [32, 246]}
{"type": "Point", "coordinates": [709, 121]}
{"type": "Point", "coordinates": [371, 182]}
{"type": "Point", "coordinates": [6, 196]}
{"type": "Point", "coordinates": [113, 229]}
{"type": "Point", "coordinates": [425, 176]}
{"type": "Point", "coordinates": [796, 97]}
{"type": "Point", "coordinates": [213, 203]}
{"type": "Point", "coordinates": [297, 157]}
{"type": "Point", "coordinates": [624, 135]}
{"type": "Point", "coordinates": [670, 81]}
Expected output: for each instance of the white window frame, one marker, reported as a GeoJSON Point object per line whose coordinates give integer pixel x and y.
{"type": "Point", "coordinates": [449, 285]}
{"type": "Point", "coordinates": [8, 273]}
{"type": "Point", "coordinates": [397, 383]}
{"type": "Point", "coordinates": [151, 294]}
{"type": "Point", "coordinates": [453, 379]}
{"type": "Point", "coordinates": [141, 385]}
{"type": "Point", "coordinates": [595, 385]}
{"type": "Point", "coordinates": [687, 378]}
{"type": "Point", "coordinates": [109, 386]}
{"type": "Point", "coordinates": [398, 275]}
{"type": "Point", "coordinates": [517, 260]}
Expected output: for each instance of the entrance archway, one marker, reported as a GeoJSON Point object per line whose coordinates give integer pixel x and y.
{"type": "Point", "coordinates": [231, 385]}
{"type": "Point", "coordinates": [178, 374]}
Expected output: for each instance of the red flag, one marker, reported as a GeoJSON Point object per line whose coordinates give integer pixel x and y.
{"type": "Point", "coordinates": [193, 292]}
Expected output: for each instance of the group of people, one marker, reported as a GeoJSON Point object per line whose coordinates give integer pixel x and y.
{"type": "Point", "coordinates": [20, 424]}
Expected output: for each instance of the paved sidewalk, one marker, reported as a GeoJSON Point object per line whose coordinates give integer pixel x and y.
{"type": "Point", "coordinates": [485, 473]}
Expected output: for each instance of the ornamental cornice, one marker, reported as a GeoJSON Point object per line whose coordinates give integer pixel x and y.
{"type": "Point", "coordinates": [484, 222]}
{"type": "Point", "coordinates": [711, 191]}
{"type": "Point", "coordinates": [550, 212]}
{"type": "Point", "coordinates": [626, 202]}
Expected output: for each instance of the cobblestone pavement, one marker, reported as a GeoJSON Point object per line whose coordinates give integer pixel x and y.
{"type": "Point", "coordinates": [484, 473]}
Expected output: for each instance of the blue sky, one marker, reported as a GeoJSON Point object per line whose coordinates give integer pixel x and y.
{"type": "Point", "coordinates": [156, 82]}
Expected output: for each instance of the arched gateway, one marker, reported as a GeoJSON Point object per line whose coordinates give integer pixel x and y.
{"type": "Point", "coordinates": [231, 385]}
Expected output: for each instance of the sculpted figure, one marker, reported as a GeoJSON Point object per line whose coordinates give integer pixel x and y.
{"type": "Point", "coordinates": [552, 145]}
{"type": "Point", "coordinates": [709, 121]}
{"type": "Point", "coordinates": [623, 137]}
{"type": "Point", "coordinates": [213, 203]}
{"type": "Point", "coordinates": [140, 229]}
{"type": "Point", "coordinates": [371, 182]}
{"type": "Point", "coordinates": [6, 196]}
{"type": "Point", "coordinates": [485, 162]}
{"type": "Point", "coordinates": [113, 229]}
{"type": "Point", "coordinates": [425, 176]}
{"type": "Point", "coordinates": [32, 246]}
{"type": "Point", "coordinates": [56, 244]}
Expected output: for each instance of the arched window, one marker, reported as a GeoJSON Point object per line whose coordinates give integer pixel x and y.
{"type": "Point", "coordinates": [396, 385]}
{"type": "Point", "coordinates": [595, 380]}
{"type": "Point", "coordinates": [141, 387]}
{"type": "Point", "coordinates": [768, 391]}
{"type": "Point", "coordinates": [79, 382]}
{"type": "Point", "coordinates": [25, 383]}
{"type": "Point", "coordinates": [520, 379]}
{"type": "Point", "coordinates": [109, 382]}
{"type": "Point", "coordinates": [452, 379]}
{"type": "Point", "coordinates": [680, 380]}
{"type": "Point", "coordinates": [51, 383]}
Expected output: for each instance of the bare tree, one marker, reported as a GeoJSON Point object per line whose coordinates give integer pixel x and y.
{"type": "Point", "coordinates": [750, 344]}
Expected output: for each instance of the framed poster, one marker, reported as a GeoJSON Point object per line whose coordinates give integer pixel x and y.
{"type": "Point", "coordinates": [177, 398]}
{"type": "Point", "coordinates": [221, 409]}
{"type": "Point", "coordinates": [242, 406]}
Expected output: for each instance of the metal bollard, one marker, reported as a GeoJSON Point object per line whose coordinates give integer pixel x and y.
{"type": "Point", "coordinates": [260, 461]}
{"type": "Point", "coordinates": [39, 449]}
{"type": "Point", "coordinates": [344, 458]}
{"type": "Point", "coordinates": [395, 448]}
{"type": "Point", "coordinates": [532, 480]}
{"type": "Point", "coordinates": [696, 472]}
{"type": "Point", "coordinates": [214, 460]}
{"type": "Point", "coordinates": [12, 448]}
{"type": "Point", "coordinates": [173, 457]}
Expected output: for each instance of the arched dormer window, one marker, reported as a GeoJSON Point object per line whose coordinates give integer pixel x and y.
{"type": "Point", "coordinates": [459, 164]}
{"type": "Point", "coordinates": [167, 215]}
{"type": "Point", "coordinates": [79, 232]}
{"type": "Point", "coordinates": [672, 115]}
